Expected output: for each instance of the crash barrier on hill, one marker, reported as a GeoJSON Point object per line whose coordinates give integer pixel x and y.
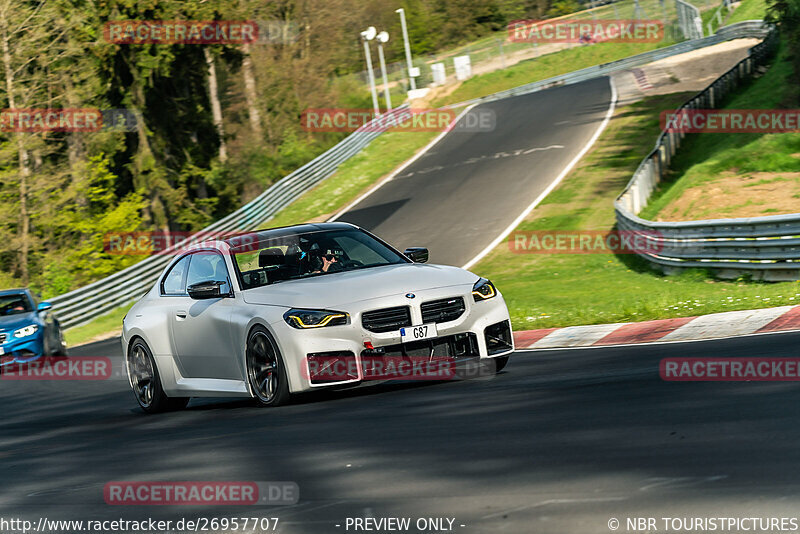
{"type": "Point", "coordinates": [763, 247]}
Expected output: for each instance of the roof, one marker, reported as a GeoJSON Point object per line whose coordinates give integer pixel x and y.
{"type": "Point", "coordinates": [5, 292]}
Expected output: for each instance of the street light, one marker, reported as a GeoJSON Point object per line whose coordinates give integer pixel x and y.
{"type": "Point", "coordinates": [382, 38]}
{"type": "Point", "coordinates": [411, 82]}
{"type": "Point", "coordinates": [366, 36]}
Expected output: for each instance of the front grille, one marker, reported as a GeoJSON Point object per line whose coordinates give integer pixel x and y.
{"type": "Point", "coordinates": [463, 345]}
{"type": "Point", "coordinates": [386, 319]}
{"type": "Point", "coordinates": [3, 337]}
{"type": "Point", "coordinates": [443, 310]}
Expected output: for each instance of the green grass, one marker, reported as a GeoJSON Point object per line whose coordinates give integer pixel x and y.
{"type": "Point", "coordinates": [748, 10]}
{"type": "Point", "coordinates": [102, 325]}
{"type": "Point", "coordinates": [358, 173]}
{"type": "Point", "coordinates": [544, 67]}
{"type": "Point", "coordinates": [703, 157]}
{"type": "Point", "coordinates": [549, 290]}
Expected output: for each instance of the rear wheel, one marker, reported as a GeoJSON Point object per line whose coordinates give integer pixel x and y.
{"type": "Point", "coordinates": [265, 371]}
{"type": "Point", "coordinates": [146, 382]}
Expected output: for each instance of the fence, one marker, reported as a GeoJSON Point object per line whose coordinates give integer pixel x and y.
{"type": "Point", "coordinates": [766, 247]}
{"type": "Point", "coordinates": [84, 304]}
{"type": "Point", "coordinates": [689, 20]}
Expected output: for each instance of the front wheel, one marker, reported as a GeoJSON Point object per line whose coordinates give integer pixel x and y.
{"type": "Point", "coordinates": [61, 345]}
{"type": "Point", "coordinates": [500, 363]}
{"type": "Point", "coordinates": [265, 371]}
{"type": "Point", "coordinates": [146, 382]}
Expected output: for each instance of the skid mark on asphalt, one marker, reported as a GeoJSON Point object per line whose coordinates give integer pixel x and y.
{"type": "Point", "coordinates": [679, 482]}
{"type": "Point", "coordinates": [549, 502]}
{"type": "Point", "coordinates": [478, 159]}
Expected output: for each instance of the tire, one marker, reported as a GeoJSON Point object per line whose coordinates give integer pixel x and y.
{"type": "Point", "coordinates": [61, 349]}
{"type": "Point", "coordinates": [500, 363]}
{"type": "Point", "coordinates": [146, 382]}
{"type": "Point", "coordinates": [266, 374]}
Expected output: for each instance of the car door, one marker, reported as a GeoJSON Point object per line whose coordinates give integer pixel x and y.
{"type": "Point", "coordinates": [200, 329]}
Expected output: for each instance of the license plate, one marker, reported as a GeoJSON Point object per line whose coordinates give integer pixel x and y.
{"type": "Point", "coordinates": [416, 333]}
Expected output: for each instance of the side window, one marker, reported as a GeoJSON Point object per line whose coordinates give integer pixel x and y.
{"type": "Point", "coordinates": [207, 266]}
{"type": "Point", "coordinates": [173, 283]}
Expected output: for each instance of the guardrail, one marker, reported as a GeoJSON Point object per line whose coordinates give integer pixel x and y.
{"type": "Point", "coordinates": [740, 30]}
{"type": "Point", "coordinates": [84, 304]}
{"type": "Point", "coordinates": [765, 247]}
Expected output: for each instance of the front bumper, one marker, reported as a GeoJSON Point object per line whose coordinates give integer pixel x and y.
{"type": "Point", "coordinates": [463, 338]}
{"type": "Point", "coordinates": [24, 349]}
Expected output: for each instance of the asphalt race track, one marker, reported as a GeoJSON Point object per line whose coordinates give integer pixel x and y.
{"type": "Point", "coordinates": [471, 185]}
{"type": "Point", "coordinates": [562, 441]}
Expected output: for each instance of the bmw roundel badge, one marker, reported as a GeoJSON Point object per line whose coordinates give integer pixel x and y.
{"type": "Point", "coordinates": [410, 295]}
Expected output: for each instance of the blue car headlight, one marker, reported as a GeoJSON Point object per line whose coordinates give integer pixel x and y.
{"type": "Point", "coordinates": [483, 290]}
{"type": "Point", "coordinates": [26, 331]}
{"type": "Point", "coordinates": [304, 319]}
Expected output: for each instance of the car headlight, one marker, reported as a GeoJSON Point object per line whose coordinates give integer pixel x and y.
{"type": "Point", "coordinates": [483, 290]}
{"type": "Point", "coordinates": [26, 331]}
{"type": "Point", "coordinates": [315, 318]}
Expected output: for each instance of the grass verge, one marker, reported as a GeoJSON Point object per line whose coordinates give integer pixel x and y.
{"type": "Point", "coordinates": [748, 10]}
{"type": "Point", "coordinates": [105, 324]}
{"type": "Point", "coordinates": [552, 290]}
{"type": "Point", "coordinates": [360, 172]}
{"type": "Point", "coordinates": [708, 159]}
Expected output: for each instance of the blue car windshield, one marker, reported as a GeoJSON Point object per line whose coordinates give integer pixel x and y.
{"type": "Point", "coordinates": [15, 304]}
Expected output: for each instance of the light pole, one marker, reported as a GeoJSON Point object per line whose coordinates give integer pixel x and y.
{"type": "Point", "coordinates": [366, 36]}
{"type": "Point", "coordinates": [382, 38]}
{"type": "Point", "coordinates": [411, 82]}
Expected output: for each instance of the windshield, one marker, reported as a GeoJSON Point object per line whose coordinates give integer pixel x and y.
{"type": "Point", "coordinates": [312, 254]}
{"type": "Point", "coordinates": [15, 304]}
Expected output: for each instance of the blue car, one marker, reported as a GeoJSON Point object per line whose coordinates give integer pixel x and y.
{"type": "Point", "coordinates": [28, 329]}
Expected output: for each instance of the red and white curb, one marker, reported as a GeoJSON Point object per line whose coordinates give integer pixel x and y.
{"type": "Point", "coordinates": [713, 326]}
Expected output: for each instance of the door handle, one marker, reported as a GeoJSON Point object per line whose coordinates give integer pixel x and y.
{"type": "Point", "coordinates": [181, 315]}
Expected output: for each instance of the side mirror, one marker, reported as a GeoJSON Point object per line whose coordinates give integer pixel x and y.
{"type": "Point", "coordinates": [417, 254]}
{"type": "Point", "coordinates": [206, 290]}
{"type": "Point", "coordinates": [44, 306]}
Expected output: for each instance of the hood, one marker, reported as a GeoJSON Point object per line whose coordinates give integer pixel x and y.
{"type": "Point", "coordinates": [9, 323]}
{"type": "Point", "coordinates": [337, 289]}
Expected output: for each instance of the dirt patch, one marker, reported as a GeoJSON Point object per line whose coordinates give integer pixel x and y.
{"type": "Point", "coordinates": [732, 196]}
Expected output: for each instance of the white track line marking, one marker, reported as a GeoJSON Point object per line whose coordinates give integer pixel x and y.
{"type": "Point", "coordinates": [553, 185]}
{"type": "Point", "coordinates": [403, 167]}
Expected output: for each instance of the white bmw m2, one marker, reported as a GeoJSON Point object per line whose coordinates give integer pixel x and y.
{"type": "Point", "coordinates": [275, 312]}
